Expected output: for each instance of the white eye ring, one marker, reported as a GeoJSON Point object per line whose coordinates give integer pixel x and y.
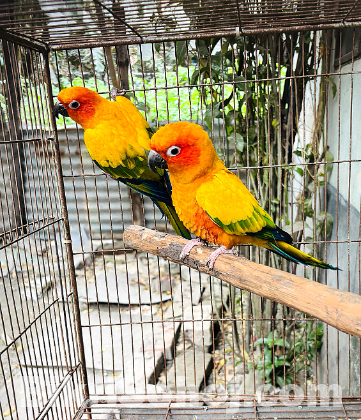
{"type": "Point", "coordinates": [173, 151]}
{"type": "Point", "coordinates": [74, 105]}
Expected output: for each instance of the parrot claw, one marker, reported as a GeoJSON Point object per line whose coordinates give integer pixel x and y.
{"type": "Point", "coordinates": [114, 92]}
{"type": "Point", "coordinates": [215, 254]}
{"type": "Point", "coordinates": [192, 243]}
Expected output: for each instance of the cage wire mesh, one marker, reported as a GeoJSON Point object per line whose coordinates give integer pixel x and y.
{"type": "Point", "coordinates": [91, 329]}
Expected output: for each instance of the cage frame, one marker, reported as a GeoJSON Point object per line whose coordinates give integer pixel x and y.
{"type": "Point", "coordinates": [45, 50]}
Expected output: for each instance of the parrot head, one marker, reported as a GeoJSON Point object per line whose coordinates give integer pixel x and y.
{"type": "Point", "coordinates": [184, 148]}
{"type": "Point", "coordinates": [78, 103]}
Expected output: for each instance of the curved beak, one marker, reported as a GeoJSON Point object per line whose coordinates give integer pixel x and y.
{"type": "Point", "coordinates": [59, 108]}
{"type": "Point", "coordinates": [155, 161]}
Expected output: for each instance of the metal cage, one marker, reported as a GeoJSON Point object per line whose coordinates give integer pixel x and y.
{"type": "Point", "coordinates": [91, 329]}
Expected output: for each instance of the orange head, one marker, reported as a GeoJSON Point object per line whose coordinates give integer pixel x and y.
{"type": "Point", "coordinates": [80, 104]}
{"type": "Point", "coordinates": [187, 150]}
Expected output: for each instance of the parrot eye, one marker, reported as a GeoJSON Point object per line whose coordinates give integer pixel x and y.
{"type": "Point", "coordinates": [74, 105]}
{"type": "Point", "coordinates": [173, 151]}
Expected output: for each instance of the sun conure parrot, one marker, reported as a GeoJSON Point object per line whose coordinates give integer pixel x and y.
{"type": "Point", "coordinates": [117, 138]}
{"type": "Point", "coordinates": [212, 202]}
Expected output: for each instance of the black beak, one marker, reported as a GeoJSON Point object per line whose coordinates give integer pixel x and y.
{"type": "Point", "coordinates": [156, 161]}
{"type": "Point", "coordinates": [59, 108]}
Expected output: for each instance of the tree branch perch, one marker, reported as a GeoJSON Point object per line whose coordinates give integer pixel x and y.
{"type": "Point", "coordinates": [340, 309]}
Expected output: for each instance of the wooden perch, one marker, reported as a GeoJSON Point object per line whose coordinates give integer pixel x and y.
{"type": "Point", "coordinates": [340, 309]}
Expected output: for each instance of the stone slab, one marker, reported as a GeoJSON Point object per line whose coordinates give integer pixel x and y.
{"type": "Point", "coordinates": [133, 352]}
{"type": "Point", "coordinates": [185, 294]}
{"type": "Point", "coordinates": [189, 372]}
{"type": "Point", "coordinates": [199, 332]}
{"type": "Point", "coordinates": [119, 288]}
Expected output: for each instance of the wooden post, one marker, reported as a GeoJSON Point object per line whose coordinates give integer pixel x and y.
{"type": "Point", "coordinates": [340, 309]}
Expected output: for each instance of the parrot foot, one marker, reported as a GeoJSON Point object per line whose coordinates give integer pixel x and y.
{"type": "Point", "coordinates": [191, 244]}
{"type": "Point", "coordinates": [114, 92]}
{"type": "Point", "coordinates": [215, 254]}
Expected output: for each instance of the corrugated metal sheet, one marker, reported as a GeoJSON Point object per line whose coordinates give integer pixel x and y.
{"type": "Point", "coordinates": [35, 181]}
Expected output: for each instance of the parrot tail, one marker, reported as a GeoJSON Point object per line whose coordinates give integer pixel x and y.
{"type": "Point", "coordinates": [173, 218]}
{"type": "Point", "coordinates": [293, 254]}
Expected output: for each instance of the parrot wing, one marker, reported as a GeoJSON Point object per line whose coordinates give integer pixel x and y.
{"type": "Point", "coordinates": [234, 209]}
{"type": "Point", "coordinates": [231, 206]}
{"type": "Point", "coordinates": [156, 188]}
{"type": "Point", "coordinates": [118, 152]}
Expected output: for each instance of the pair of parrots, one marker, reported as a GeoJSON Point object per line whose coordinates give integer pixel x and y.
{"type": "Point", "coordinates": [178, 168]}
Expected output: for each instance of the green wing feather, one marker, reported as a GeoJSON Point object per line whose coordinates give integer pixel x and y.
{"type": "Point", "coordinates": [156, 187]}
{"type": "Point", "coordinates": [136, 167]}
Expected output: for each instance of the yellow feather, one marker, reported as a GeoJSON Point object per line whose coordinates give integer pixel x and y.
{"type": "Point", "coordinates": [119, 135]}
{"type": "Point", "coordinates": [230, 189]}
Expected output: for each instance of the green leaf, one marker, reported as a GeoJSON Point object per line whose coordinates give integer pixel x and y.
{"type": "Point", "coordinates": [308, 210]}
{"type": "Point", "coordinates": [239, 85]}
{"type": "Point", "coordinates": [212, 112]}
{"type": "Point", "coordinates": [265, 177]}
{"type": "Point", "coordinates": [311, 186]}
{"type": "Point", "coordinates": [252, 133]}
{"type": "Point", "coordinates": [271, 336]}
{"type": "Point", "coordinates": [299, 171]}
{"type": "Point", "coordinates": [298, 153]}
{"type": "Point", "coordinates": [279, 342]}
{"type": "Point", "coordinates": [333, 86]}
{"type": "Point", "coordinates": [225, 47]}
{"type": "Point", "coordinates": [268, 354]}
{"type": "Point", "coordinates": [297, 226]}
{"type": "Point", "coordinates": [203, 49]}
{"type": "Point", "coordinates": [280, 381]}
{"type": "Point", "coordinates": [181, 53]}
{"type": "Point", "coordinates": [240, 143]}
{"type": "Point", "coordinates": [268, 370]}
{"type": "Point", "coordinates": [260, 341]}
{"type": "Point", "coordinates": [329, 158]}
{"type": "Point", "coordinates": [324, 223]}
{"type": "Point", "coordinates": [208, 118]}
{"type": "Point", "coordinates": [141, 106]}
{"type": "Point", "coordinates": [279, 361]}
{"type": "Point", "coordinates": [195, 77]}
{"type": "Point", "coordinates": [275, 123]}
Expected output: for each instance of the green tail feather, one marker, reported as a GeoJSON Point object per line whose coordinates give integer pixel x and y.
{"type": "Point", "coordinates": [293, 254]}
{"type": "Point", "coordinates": [173, 218]}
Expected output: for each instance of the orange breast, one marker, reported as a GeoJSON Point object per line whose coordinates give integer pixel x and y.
{"type": "Point", "coordinates": [196, 219]}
